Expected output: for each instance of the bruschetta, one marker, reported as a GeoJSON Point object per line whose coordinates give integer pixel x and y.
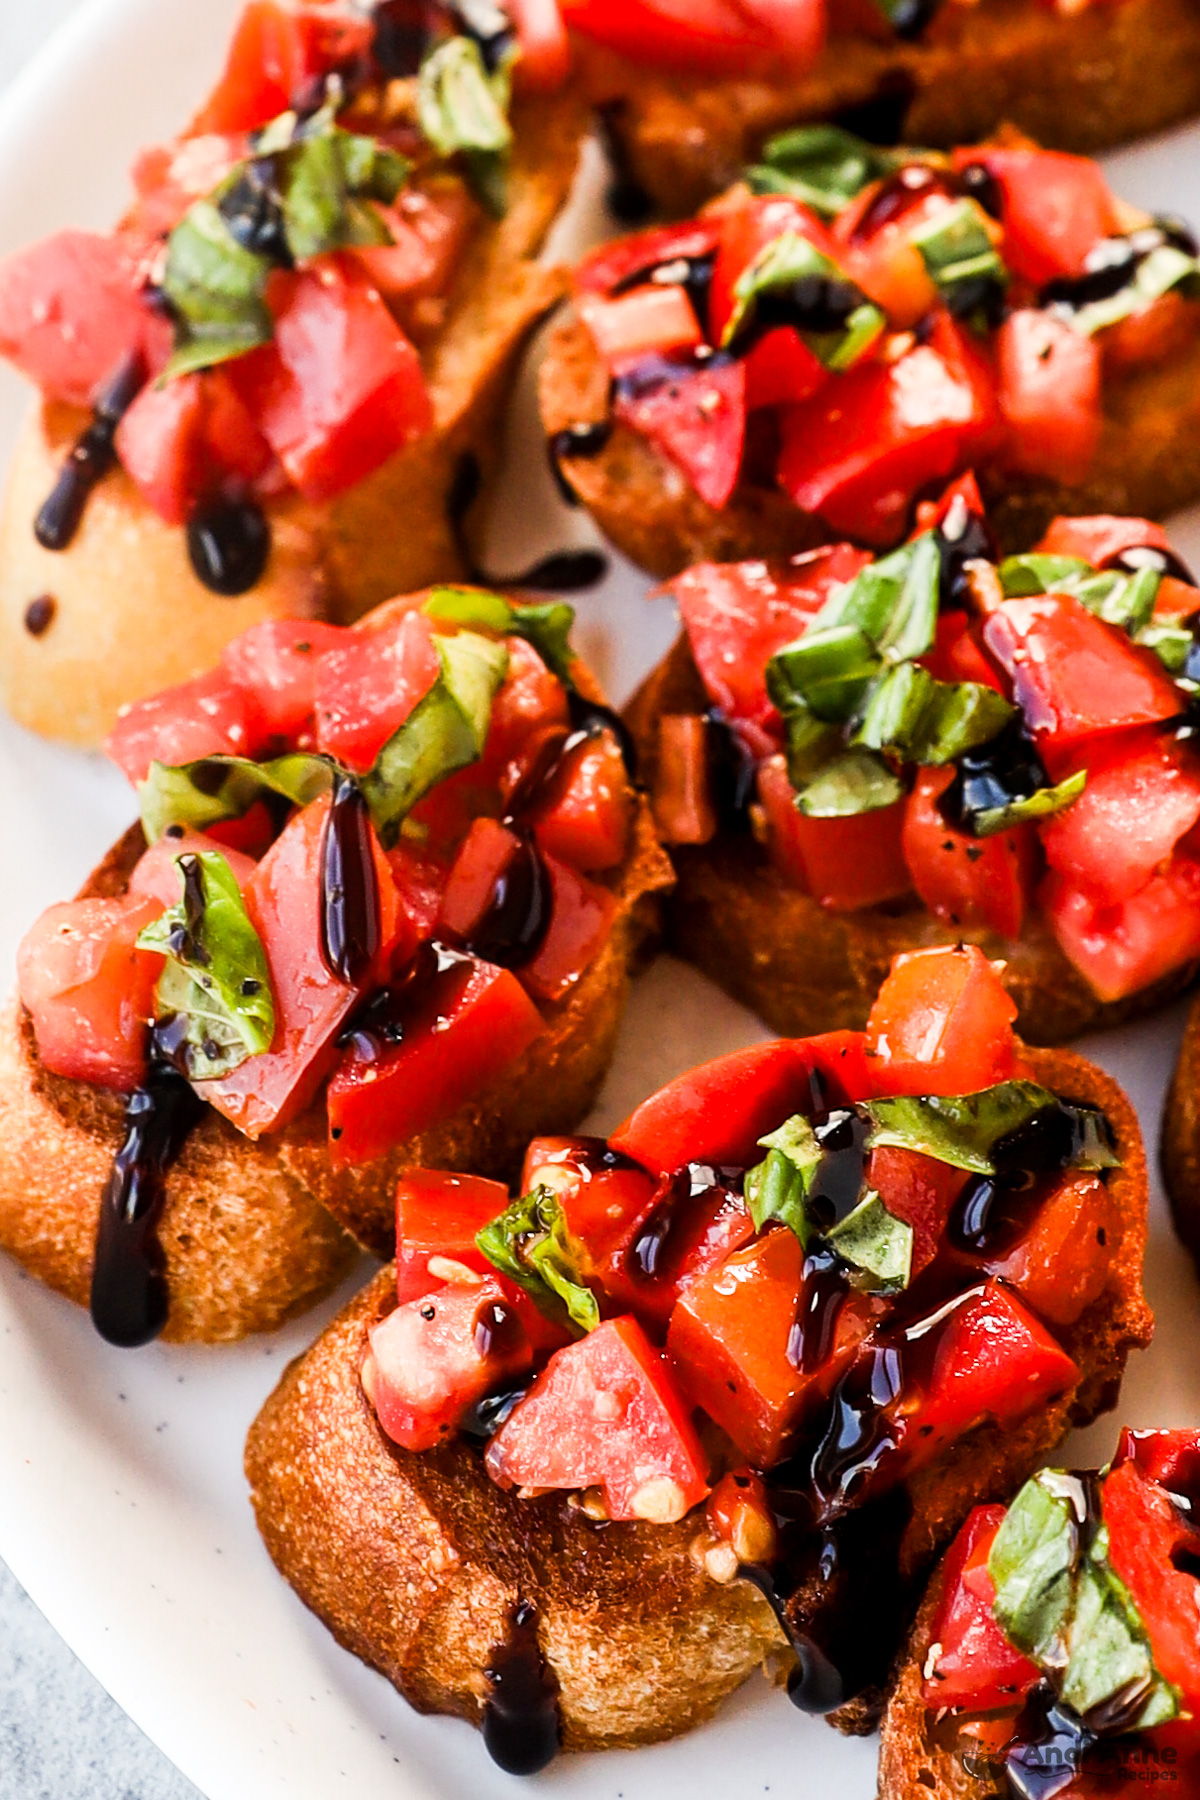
{"type": "Point", "coordinates": [273, 390]}
{"type": "Point", "coordinates": [381, 909]}
{"type": "Point", "coordinates": [853, 326]}
{"type": "Point", "coordinates": [852, 758]}
{"type": "Point", "coordinates": [1180, 1145]}
{"type": "Point", "coordinates": [715, 1390]}
{"type": "Point", "coordinates": [1056, 1653]}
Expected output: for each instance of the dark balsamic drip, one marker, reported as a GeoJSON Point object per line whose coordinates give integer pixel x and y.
{"type": "Point", "coordinates": [594, 716]}
{"type": "Point", "coordinates": [514, 926]}
{"type": "Point", "coordinates": [861, 1435]}
{"type": "Point", "coordinates": [430, 985]}
{"type": "Point", "coordinates": [880, 119]}
{"type": "Point", "coordinates": [564, 572]}
{"type": "Point", "coordinates": [978, 183]}
{"type": "Point", "coordinates": [961, 538]}
{"type": "Point", "coordinates": [628, 200]}
{"type": "Point", "coordinates": [1161, 562]}
{"type": "Point", "coordinates": [350, 925]}
{"type": "Point", "coordinates": [91, 457]}
{"type": "Point", "coordinates": [811, 1338]}
{"type": "Point", "coordinates": [402, 35]}
{"type": "Point", "coordinates": [483, 1420]}
{"type": "Point", "coordinates": [909, 18]}
{"type": "Point", "coordinates": [253, 212]}
{"type": "Point", "coordinates": [1047, 1143]}
{"type": "Point", "coordinates": [733, 772]}
{"type": "Point", "coordinates": [648, 1254]}
{"type": "Point", "coordinates": [655, 374]}
{"type": "Point", "coordinates": [229, 542]}
{"type": "Point", "coordinates": [993, 775]}
{"type": "Point", "coordinates": [692, 273]}
{"type": "Point", "coordinates": [129, 1298]}
{"type": "Point", "coordinates": [1048, 1749]}
{"type": "Point", "coordinates": [521, 1725]}
{"type": "Point", "coordinates": [497, 1332]}
{"type": "Point", "coordinates": [1112, 265]}
{"type": "Point", "coordinates": [897, 194]}
{"type": "Point", "coordinates": [816, 303]}
{"type": "Point", "coordinates": [39, 615]}
{"type": "Point", "coordinates": [837, 1188]}
{"type": "Point", "coordinates": [588, 438]}
{"type": "Point", "coordinates": [991, 1214]}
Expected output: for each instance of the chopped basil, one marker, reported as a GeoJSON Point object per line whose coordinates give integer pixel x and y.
{"type": "Point", "coordinates": [444, 732]}
{"type": "Point", "coordinates": [1060, 1601]}
{"type": "Point", "coordinates": [876, 1245]}
{"type": "Point", "coordinates": [827, 671]}
{"type": "Point", "coordinates": [1170, 641]}
{"type": "Point", "coordinates": [779, 1186]}
{"type": "Point", "coordinates": [925, 721]}
{"type": "Point", "coordinates": [1041, 805]}
{"type": "Point", "coordinates": [530, 1244]}
{"type": "Point", "coordinates": [1116, 596]}
{"type": "Point", "coordinates": [821, 165]}
{"type": "Point", "coordinates": [793, 266]}
{"type": "Point", "coordinates": [318, 203]}
{"type": "Point", "coordinates": [960, 257]}
{"type": "Point", "coordinates": [855, 782]}
{"type": "Point", "coordinates": [1162, 270]}
{"type": "Point", "coordinates": [1036, 573]}
{"type": "Point", "coordinates": [461, 107]}
{"type": "Point", "coordinates": [216, 983]}
{"type": "Point", "coordinates": [215, 287]}
{"type": "Point", "coordinates": [202, 793]}
{"type": "Point", "coordinates": [893, 600]}
{"type": "Point", "coordinates": [970, 1131]}
{"type": "Point", "coordinates": [546, 625]}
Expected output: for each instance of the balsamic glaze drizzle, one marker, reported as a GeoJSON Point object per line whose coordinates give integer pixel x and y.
{"type": "Point", "coordinates": [350, 924]}
{"type": "Point", "coordinates": [431, 984]}
{"type": "Point", "coordinates": [994, 774]}
{"type": "Point", "coordinates": [514, 926]}
{"type": "Point", "coordinates": [229, 542]}
{"type": "Point", "coordinates": [588, 438]}
{"type": "Point", "coordinates": [91, 457]}
{"type": "Point", "coordinates": [521, 1724]}
{"type": "Point", "coordinates": [564, 572]}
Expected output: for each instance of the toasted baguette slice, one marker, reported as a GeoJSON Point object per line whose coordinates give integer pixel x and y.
{"type": "Point", "coordinates": [1078, 79]}
{"type": "Point", "coordinates": [805, 969]}
{"type": "Point", "coordinates": [911, 1761]}
{"type": "Point", "coordinates": [129, 614]}
{"type": "Point", "coordinates": [1147, 464]}
{"type": "Point", "coordinates": [1180, 1147]}
{"type": "Point", "coordinates": [415, 1562]}
{"type": "Point", "coordinates": [248, 1228]}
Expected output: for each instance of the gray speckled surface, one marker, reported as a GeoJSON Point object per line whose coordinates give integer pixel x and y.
{"type": "Point", "coordinates": [61, 1737]}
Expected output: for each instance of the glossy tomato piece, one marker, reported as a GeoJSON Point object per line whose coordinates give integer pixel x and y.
{"type": "Point", "coordinates": [695, 414]}
{"type": "Point", "coordinates": [647, 321]}
{"type": "Point", "coordinates": [1062, 1263]}
{"type": "Point", "coordinates": [676, 1239]}
{"type": "Point", "coordinates": [278, 663]}
{"type": "Point", "coordinates": [858, 452]}
{"type": "Point", "coordinates": [580, 922]}
{"type": "Point", "coordinates": [205, 717]}
{"type": "Point", "coordinates": [716, 1113]}
{"type": "Point", "coordinates": [1147, 1538]}
{"type": "Point", "coordinates": [89, 990]}
{"type": "Point", "coordinates": [430, 226]}
{"type": "Point", "coordinates": [729, 1341]}
{"type": "Point", "coordinates": [545, 48]}
{"type": "Point", "coordinates": [457, 1040]}
{"type": "Point", "coordinates": [1100, 538]}
{"type": "Point", "coordinates": [975, 1668]}
{"type": "Point", "coordinates": [1119, 949]}
{"type": "Point", "coordinates": [749, 228]}
{"type": "Point", "coordinates": [605, 1413]}
{"type": "Point", "coordinates": [738, 615]}
{"type": "Point", "coordinates": [368, 683]}
{"type": "Point", "coordinates": [941, 1024]}
{"type": "Point", "coordinates": [1142, 796]}
{"type": "Point", "coordinates": [976, 883]}
{"type": "Point", "coordinates": [167, 178]}
{"type": "Point", "coordinates": [340, 389]}
{"type": "Point", "coordinates": [585, 817]}
{"type": "Point", "coordinates": [160, 442]}
{"type": "Point", "coordinates": [726, 37]}
{"type": "Point", "coordinates": [1171, 1459]}
{"type": "Point", "coordinates": [843, 863]}
{"type": "Point", "coordinates": [992, 1360]}
{"type": "Point", "coordinates": [434, 1356]}
{"type": "Point", "coordinates": [612, 265]}
{"type": "Point", "coordinates": [1074, 675]}
{"type": "Point", "coordinates": [420, 881]}
{"type": "Point", "coordinates": [1050, 379]}
{"type": "Point", "coordinates": [529, 711]}
{"type": "Point", "coordinates": [486, 852]}
{"type": "Point", "coordinates": [918, 1189]}
{"type": "Point", "coordinates": [884, 261]}
{"type": "Point", "coordinates": [438, 1216]}
{"type": "Point", "coordinates": [278, 54]}
{"type": "Point", "coordinates": [1055, 208]}
{"type": "Point", "coordinates": [157, 876]}
{"type": "Point", "coordinates": [957, 657]}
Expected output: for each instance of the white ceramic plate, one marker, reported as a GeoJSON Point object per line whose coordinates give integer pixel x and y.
{"type": "Point", "coordinates": [122, 1505]}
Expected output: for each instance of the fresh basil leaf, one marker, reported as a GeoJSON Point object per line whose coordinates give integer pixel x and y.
{"type": "Point", "coordinates": [1154, 275]}
{"type": "Point", "coordinates": [216, 981]}
{"type": "Point", "coordinates": [216, 289]}
{"type": "Point", "coordinates": [810, 744]}
{"type": "Point", "coordinates": [820, 165]}
{"type": "Point", "coordinates": [876, 1245]}
{"type": "Point", "coordinates": [461, 107]}
{"type": "Point", "coordinates": [957, 250]}
{"type": "Point", "coordinates": [827, 671]}
{"type": "Point", "coordinates": [855, 782]}
{"type": "Point", "coordinates": [1116, 596]}
{"type": "Point", "coordinates": [546, 625]}
{"type": "Point", "coordinates": [530, 1244]}
{"type": "Point", "coordinates": [921, 720]}
{"type": "Point", "coordinates": [445, 731]}
{"type": "Point", "coordinates": [202, 793]}
{"type": "Point", "coordinates": [779, 1186]}
{"type": "Point", "coordinates": [787, 261]}
{"type": "Point", "coordinates": [1035, 806]}
{"type": "Point", "coordinates": [1109, 1652]}
{"type": "Point", "coordinates": [1032, 1563]}
{"type": "Point", "coordinates": [1035, 573]}
{"type": "Point", "coordinates": [967, 1130]}
{"type": "Point", "coordinates": [893, 601]}
{"type": "Point", "coordinates": [371, 170]}
{"type": "Point", "coordinates": [1170, 641]}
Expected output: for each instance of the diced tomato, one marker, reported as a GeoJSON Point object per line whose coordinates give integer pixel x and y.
{"type": "Point", "coordinates": [429, 226]}
{"type": "Point", "coordinates": [603, 1201]}
{"type": "Point", "coordinates": [737, 615]}
{"type": "Point", "coordinates": [1120, 949]}
{"type": "Point", "coordinates": [682, 798]}
{"type": "Point", "coordinates": [647, 321]}
{"type": "Point", "coordinates": [439, 1214]}
{"type": "Point", "coordinates": [1142, 796]}
{"type": "Point", "coordinates": [993, 1360]}
{"type": "Point", "coordinates": [277, 55]}
{"type": "Point", "coordinates": [941, 1024]}
{"type": "Point", "coordinates": [858, 452]}
{"type": "Point", "coordinates": [1154, 334]}
{"type": "Point", "coordinates": [530, 708]}
{"type": "Point", "coordinates": [975, 1668]}
{"type": "Point", "coordinates": [886, 263]}
{"type": "Point", "coordinates": [545, 48]}
{"type": "Point", "coordinates": [457, 1040]}
{"type": "Point", "coordinates": [340, 389]}
{"type": "Point", "coordinates": [160, 442]}
{"type": "Point", "coordinates": [844, 863]}
{"type": "Point", "coordinates": [729, 1339]}
{"type": "Point", "coordinates": [1050, 379]}
{"type": "Point", "coordinates": [580, 922]}
{"type": "Point", "coordinates": [1146, 1534]}
{"type": "Point", "coordinates": [585, 818]}
{"type": "Point", "coordinates": [1062, 1263]}
{"type": "Point", "coordinates": [278, 663]}
{"type": "Point", "coordinates": [420, 881]}
{"type": "Point", "coordinates": [234, 447]}
{"type": "Point", "coordinates": [1101, 538]}
{"type": "Point", "coordinates": [728, 37]}
{"type": "Point", "coordinates": [918, 1189]}
{"type": "Point", "coordinates": [252, 834]}
{"type": "Point", "coordinates": [1055, 208]}
{"type": "Point", "coordinates": [970, 882]}
{"type": "Point", "coordinates": [716, 1113]}
{"type": "Point", "coordinates": [71, 311]}
{"type": "Point", "coordinates": [605, 1413]}
{"type": "Point", "coordinates": [157, 876]}
{"type": "Point", "coordinates": [1074, 675]}
{"type": "Point", "coordinates": [434, 1356]}
{"type": "Point", "coordinates": [696, 415]}
{"type": "Point", "coordinates": [368, 683]}
{"type": "Point", "coordinates": [1171, 1459]}
{"type": "Point", "coordinates": [167, 178]}
{"type": "Point", "coordinates": [205, 717]}
{"type": "Point", "coordinates": [690, 1234]}
{"type": "Point", "coordinates": [486, 852]}
{"type": "Point", "coordinates": [612, 265]}
{"type": "Point", "coordinates": [748, 229]}
{"type": "Point", "coordinates": [957, 657]}
{"type": "Point", "coordinates": [89, 990]}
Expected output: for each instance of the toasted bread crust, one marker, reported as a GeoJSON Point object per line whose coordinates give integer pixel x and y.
{"type": "Point", "coordinates": [1180, 1145]}
{"type": "Point", "coordinates": [414, 1562]}
{"type": "Point", "coordinates": [1147, 464]}
{"type": "Point", "coordinates": [131, 617]}
{"type": "Point", "coordinates": [911, 1761]}
{"type": "Point", "coordinates": [805, 969]}
{"type": "Point", "coordinates": [1077, 81]}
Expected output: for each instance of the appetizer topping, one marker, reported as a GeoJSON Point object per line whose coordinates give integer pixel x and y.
{"type": "Point", "coordinates": [1064, 1636]}
{"type": "Point", "coordinates": [995, 735]}
{"type": "Point", "coordinates": [852, 324]}
{"type": "Point", "coordinates": [845, 1252]}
